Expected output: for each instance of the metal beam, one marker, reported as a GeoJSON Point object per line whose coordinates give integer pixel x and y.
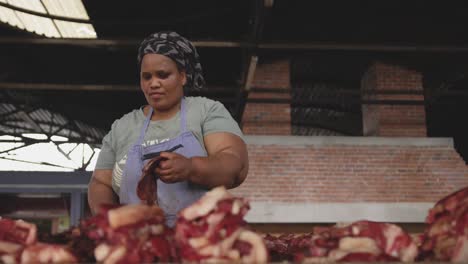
{"type": "Point", "coordinates": [114, 42]}
{"type": "Point", "coordinates": [245, 44]}
{"type": "Point", "coordinates": [15, 148]}
{"type": "Point", "coordinates": [361, 47]}
{"type": "Point", "coordinates": [77, 206]}
{"type": "Point", "coordinates": [114, 22]}
{"type": "Point", "coordinates": [26, 118]}
{"type": "Point", "coordinates": [218, 90]}
{"type": "Point", "coordinates": [14, 125]}
{"type": "Point", "coordinates": [85, 165]}
{"type": "Point", "coordinates": [69, 87]}
{"type": "Point", "coordinates": [311, 103]}
{"type": "Point", "coordinates": [250, 73]}
{"type": "Point", "coordinates": [37, 163]}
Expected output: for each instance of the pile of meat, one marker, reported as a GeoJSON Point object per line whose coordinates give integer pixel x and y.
{"type": "Point", "coordinates": [129, 234]}
{"type": "Point", "coordinates": [359, 241]}
{"type": "Point", "coordinates": [124, 234]}
{"type": "Point", "coordinates": [213, 229]}
{"type": "Point", "coordinates": [446, 237]}
{"type": "Point", "coordinates": [18, 244]}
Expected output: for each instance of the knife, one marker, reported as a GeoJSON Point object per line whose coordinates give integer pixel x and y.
{"type": "Point", "coordinates": [156, 154]}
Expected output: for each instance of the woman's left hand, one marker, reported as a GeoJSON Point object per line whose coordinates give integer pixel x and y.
{"type": "Point", "coordinates": [173, 167]}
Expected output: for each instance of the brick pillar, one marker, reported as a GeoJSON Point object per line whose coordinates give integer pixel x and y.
{"type": "Point", "coordinates": [269, 118]}
{"type": "Point", "coordinates": [393, 120]}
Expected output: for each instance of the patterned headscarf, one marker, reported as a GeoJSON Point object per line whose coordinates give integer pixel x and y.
{"type": "Point", "coordinates": [180, 50]}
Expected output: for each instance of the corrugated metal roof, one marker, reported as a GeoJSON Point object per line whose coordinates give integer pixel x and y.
{"type": "Point", "coordinates": [44, 25]}
{"type": "Point", "coordinates": [14, 120]}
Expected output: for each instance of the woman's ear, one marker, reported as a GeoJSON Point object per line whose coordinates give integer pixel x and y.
{"type": "Point", "coordinates": [184, 78]}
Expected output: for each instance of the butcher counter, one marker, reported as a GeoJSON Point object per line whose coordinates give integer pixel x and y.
{"type": "Point", "coordinates": [74, 184]}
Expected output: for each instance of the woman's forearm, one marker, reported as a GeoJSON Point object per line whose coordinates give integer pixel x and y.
{"type": "Point", "coordinates": [99, 193]}
{"type": "Point", "coordinates": [224, 169]}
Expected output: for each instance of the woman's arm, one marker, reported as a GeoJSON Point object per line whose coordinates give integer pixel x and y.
{"type": "Point", "coordinates": [227, 163]}
{"type": "Point", "coordinates": [100, 190]}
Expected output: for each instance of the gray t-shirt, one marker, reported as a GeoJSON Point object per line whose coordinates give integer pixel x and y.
{"type": "Point", "coordinates": [204, 116]}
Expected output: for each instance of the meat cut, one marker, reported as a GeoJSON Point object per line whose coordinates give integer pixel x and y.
{"type": "Point", "coordinates": [18, 244]}
{"type": "Point", "coordinates": [213, 230]}
{"type": "Point", "coordinates": [360, 241]}
{"type": "Point", "coordinates": [129, 234]}
{"type": "Point", "coordinates": [446, 237]}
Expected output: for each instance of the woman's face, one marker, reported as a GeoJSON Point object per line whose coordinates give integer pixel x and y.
{"type": "Point", "coordinates": [161, 82]}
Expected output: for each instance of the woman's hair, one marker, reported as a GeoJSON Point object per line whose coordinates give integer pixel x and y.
{"type": "Point", "coordinates": [180, 50]}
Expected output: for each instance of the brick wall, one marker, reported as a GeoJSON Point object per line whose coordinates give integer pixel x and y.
{"type": "Point", "coordinates": [269, 118]}
{"type": "Point", "coordinates": [271, 74]}
{"type": "Point", "coordinates": [315, 170]}
{"type": "Point", "coordinates": [393, 120]}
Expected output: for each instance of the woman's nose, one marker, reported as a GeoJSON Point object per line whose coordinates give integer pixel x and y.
{"type": "Point", "coordinates": [155, 83]}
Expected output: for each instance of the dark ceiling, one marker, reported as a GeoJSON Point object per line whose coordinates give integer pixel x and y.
{"type": "Point", "coordinates": [327, 41]}
{"type": "Point", "coordinates": [413, 24]}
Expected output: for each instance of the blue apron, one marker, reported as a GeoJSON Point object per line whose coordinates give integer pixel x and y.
{"type": "Point", "coordinates": [172, 197]}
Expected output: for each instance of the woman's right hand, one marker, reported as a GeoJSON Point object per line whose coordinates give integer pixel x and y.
{"type": "Point", "coordinates": [173, 167]}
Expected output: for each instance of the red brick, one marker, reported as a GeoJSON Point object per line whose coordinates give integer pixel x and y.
{"type": "Point", "coordinates": [352, 173]}
{"type": "Point", "coordinates": [393, 120]}
{"type": "Point", "coordinates": [265, 118]}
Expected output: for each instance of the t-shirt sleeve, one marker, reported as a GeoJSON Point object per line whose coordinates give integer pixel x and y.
{"type": "Point", "coordinates": [218, 119]}
{"type": "Point", "coordinates": [106, 158]}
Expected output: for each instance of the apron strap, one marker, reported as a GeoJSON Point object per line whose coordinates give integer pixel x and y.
{"type": "Point", "coordinates": [145, 126]}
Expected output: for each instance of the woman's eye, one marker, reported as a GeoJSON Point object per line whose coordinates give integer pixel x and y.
{"type": "Point", "coordinates": [146, 76]}
{"type": "Point", "coordinates": [163, 75]}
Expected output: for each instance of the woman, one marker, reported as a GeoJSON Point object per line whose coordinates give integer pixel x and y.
{"type": "Point", "coordinates": [213, 152]}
